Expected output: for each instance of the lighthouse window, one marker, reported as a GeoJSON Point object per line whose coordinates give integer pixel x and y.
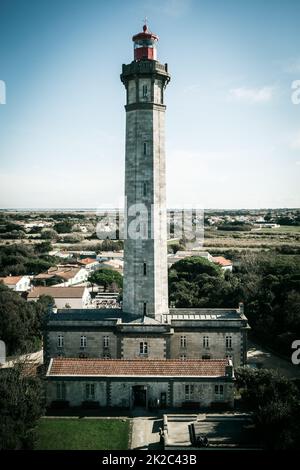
{"type": "Point", "coordinates": [144, 189]}
{"type": "Point", "coordinates": [145, 269]}
{"type": "Point", "coordinates": [145, 91]}
{"type": "Point", "coordinates": [145, 148]}
{"type": "Point", "coordinates": [144, 43]}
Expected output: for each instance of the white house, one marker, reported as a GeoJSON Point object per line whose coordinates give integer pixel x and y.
{"type": "Point", "coordinates": [226, 264]}
{"type": "Point", "coordinates": [17, 283]}
{"type": "Point", "coordinates": [70, 274]}
{"type": "Point", "coordinates": [110, 255]}
{"type": "Point", "coordinates": [90, 264]}
{"type": "Point", "coordinates": [64, 297]}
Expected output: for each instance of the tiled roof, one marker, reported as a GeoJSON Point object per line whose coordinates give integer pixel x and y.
{"type": "Point", "coordinates": [88, 261]}
{"type": "Point", "coordinates": [57, 292]}
{"type": "Point", "coordinates": [44, 276]}
{"type": "Point", "coordinates": [136, 367]}
{"type": "Point", "coordinates": [10, 280]}
{"type": "Point", "coordinates": [222, 261]}
{"type": "Point", "coordinates": [67, 272]}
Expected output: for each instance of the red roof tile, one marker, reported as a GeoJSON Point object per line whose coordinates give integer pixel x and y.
{"type": "Point", "coordinates": [10, 280]}
{"type": "Point", "coordinates": [222, 261]}
{"type": "Point", "coordinates": [137, 367]}
{"type": "Point", "coordinates": [88, 261]}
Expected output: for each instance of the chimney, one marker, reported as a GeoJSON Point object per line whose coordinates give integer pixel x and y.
{"type": "Point", "coordinates": [229, 369]}
{"type": "Point", "coordinates": [241, 308]}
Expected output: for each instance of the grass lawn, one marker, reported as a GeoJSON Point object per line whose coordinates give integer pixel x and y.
{"type": "Point", "coordinates": [82, 434]}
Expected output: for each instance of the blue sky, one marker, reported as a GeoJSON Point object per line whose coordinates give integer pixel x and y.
{"type": "Point", "coordinates": [232, 131]}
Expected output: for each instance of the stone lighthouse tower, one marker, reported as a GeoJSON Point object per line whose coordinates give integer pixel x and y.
{"type": "Point", "coordinates": [145, 290]}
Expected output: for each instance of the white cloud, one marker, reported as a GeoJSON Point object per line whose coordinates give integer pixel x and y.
{"type": "Point", "coordinates": [292, 66]}
{"type": "Point", "coordinates": [252, 95]}
{"type": "Point", "coordinates": [295, 141]}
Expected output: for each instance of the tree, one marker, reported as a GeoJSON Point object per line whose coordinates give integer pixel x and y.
{"type": "Point", "coordinates": [106, 277]}
{"type": "Point", "coordinates": [21, 321]}
{"type": "Point", "coordinates": [110, 245]}
{"type": "Point", "coordinates": [42, 248]}
{"type": "Point", "coordinates": [49, 234]}
{"type": "Point", "coordinates": [21, 405]}
{"type": "Point", "coordinates": [197, 282]}
{"type": "Point", "coordinates": [17, 260]}
{"type": "Point", "coordinates": [274, 400]}
{"type": "Point", "coordinates": [63, 227]}
{"type": "Point", "coordinates": [270, 285]}
{"type": "Point", "coordinates": [71, 238]}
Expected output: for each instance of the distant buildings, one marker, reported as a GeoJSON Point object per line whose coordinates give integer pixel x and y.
{"type": "Point", "coordinates": [16, 283]}
{"type": "Point", "coordinates": [110, 255]}
{"type": "Point", "coordinates": [90, 264]}
{"type": "Point", "coordinates": [64, 297]}
{"type": "Point", "coordinates": [65, 275]}
{"type": "Point", "coordinates": [225, 264]}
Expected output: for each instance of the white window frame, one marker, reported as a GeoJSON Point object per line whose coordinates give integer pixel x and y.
{"type": "Point", "coordinates": [183, 357]}
{"type": "Point", "coordinates": [143, 348]}
{"type": "Point", "coordinates": [228, 342]}
{"type": "Point", "coordinates": [106, 341]}
{"type": "Point", "coordinates": [189, 390]}
{"type": "Point", "coordinates": [60, 341]}
{"type": "Point", "coordinates": [206, 341]}
{"type": "Point", "coordinates": [83, 341]}
{"type": "Point", "coordinates": [183, 341]}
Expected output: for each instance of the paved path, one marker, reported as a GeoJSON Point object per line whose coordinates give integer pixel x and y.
{"type": "Point", "coordinates": [32, 358]}
{"type": "Point", "coordinates": [145, 432]}
{"type": "Point", "coordinates": [268, 360]}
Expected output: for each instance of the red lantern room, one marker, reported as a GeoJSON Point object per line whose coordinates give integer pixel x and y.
{"type": "Point", "coordinates": [145, 45]}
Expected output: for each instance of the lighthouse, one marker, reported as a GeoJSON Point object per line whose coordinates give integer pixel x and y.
{"type": "Point", "coordinates": [145, 290]}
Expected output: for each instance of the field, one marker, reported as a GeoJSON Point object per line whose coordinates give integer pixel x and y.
{"type": "Point", "coordinates": [254, 240]}
{"type": "Point", "coordinates": [82, 434]}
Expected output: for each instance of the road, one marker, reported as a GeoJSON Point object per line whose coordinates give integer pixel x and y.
{"type": "Point", "coordinates": [33, 358]}
{"type": "Point", "coordinates": [257, 355]}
